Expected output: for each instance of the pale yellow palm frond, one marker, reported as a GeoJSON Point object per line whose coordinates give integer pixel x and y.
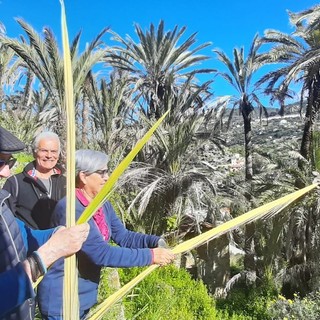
{"type": "Point", "coordinates": [268, 210]}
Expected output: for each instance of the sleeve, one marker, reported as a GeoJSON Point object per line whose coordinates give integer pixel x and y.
{"type": "Point", "coordinates": [10, 186]}
{"type": "Point", "coordinates": [101, 252]}
{"type": "Point", "coordinates": [133, 249]}
{"type": "Point", "coordinates": [126, 238]}
{"type": "Point", "coordinates": [15, 288]}
{"type": "Point", "coordinates": [33, 239]}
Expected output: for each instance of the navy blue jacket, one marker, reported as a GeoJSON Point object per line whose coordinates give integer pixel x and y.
{"type": "Point", "coordinates": [16, 242]}
{"type": "Point", "coordinates": [132, 250]}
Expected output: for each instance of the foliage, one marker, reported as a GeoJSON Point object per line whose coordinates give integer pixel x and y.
{"type": "Point", "coordinates": [250, 302]}
{"type": "Point", "coordinates": [168, 292]}
{"type": "Point", "coordinates": [106, 288]}
{"type": "Point", "coordinates": [306, 308]}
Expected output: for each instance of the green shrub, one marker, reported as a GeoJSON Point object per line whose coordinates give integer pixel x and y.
{"type": "Point", "coordinates": [167, 293]}
{"type": "Point", "coordinates": [251, 303]}
{"type": "Point", "coordinates": [296, 308]}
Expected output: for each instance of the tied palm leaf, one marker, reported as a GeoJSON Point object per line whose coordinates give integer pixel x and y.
{"type": "Point", "coordinates": [266, 211]}
{"type": "Point", "coordinates": [70, 286]}
{"type": "Point", "coordinates": [101, 197]}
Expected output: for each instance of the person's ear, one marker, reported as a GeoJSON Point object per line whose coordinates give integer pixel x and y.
{"type": "Point", "coordinates": [82, 177]}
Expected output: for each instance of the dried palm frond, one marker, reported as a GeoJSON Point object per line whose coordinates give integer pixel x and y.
{"type": "Point", "coordinates": [70, 285]}
{"type": "Point", "coordinates": [270, 209]}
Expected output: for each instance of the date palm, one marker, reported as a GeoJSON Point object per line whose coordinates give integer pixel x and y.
{"type": "Point", "coordinates": [160, 61]}
{"type": "Point", "coordinates": [41, 55]}
{"type": "Point", "coordinates": [168, 178]}
{"type": "Point", "coordinates": [298, 55]}
{"type": "Point", "coordinates": [239, 75]}
{"type": "Point", "coordinates": [111, 110]}
{"type": "Point", "coordinates": [10, 68]}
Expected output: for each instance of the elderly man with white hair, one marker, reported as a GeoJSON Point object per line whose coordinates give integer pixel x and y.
{"type": "Point", "coordinates": [37, 189]}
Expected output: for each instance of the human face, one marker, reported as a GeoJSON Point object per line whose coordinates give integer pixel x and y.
{"type": "Point", "coordinates": [6, 163]}
{"type": "Point", "coordinates": [47, 155]}
{"type": "Point", "coordinates": [95, 181]}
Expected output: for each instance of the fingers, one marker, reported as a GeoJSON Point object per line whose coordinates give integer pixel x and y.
{"type": "Point", "coordinates": [163, 256]}
{"type": "Point", "coordinates": [82, 230]}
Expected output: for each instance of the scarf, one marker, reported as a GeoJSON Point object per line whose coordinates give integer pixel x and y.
{"type": "Point", "coordinates": [98, 217]}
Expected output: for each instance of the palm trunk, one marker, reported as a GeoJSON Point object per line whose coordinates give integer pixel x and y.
{"type": "Point", "coordinates": [249, 258]}
{"type": "Point", "coordinates": [248, 146]}
{"type": "Point", "coordinates": [310, 118]}
{"type": "Point", "coordinates": [214, 268]}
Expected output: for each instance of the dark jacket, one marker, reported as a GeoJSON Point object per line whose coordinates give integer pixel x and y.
{"type": "Point", "coordinates": [132, 250]}
{"type": "Point", "coordinates": [16, 241]}
{"type": "Point", "coordinates": [31, 202]}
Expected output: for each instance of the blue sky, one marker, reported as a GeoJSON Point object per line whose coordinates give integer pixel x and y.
{"type": "Point", "coordinates": [227, 24]}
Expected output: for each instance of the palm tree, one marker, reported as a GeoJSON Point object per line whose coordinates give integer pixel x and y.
{"type": "Point", "coordinates": [299, 55]}
{"type": "Point", "coordinates": [41, 55]}
{"type": "Point", "coordinates": [239, 75]}
{"type": "Point", "coordinates": [156, 64]}
{"type": "Point", "coordinates": [168, 167]}
{"type": "Point", "coordinates": [10, 68]}
{"type": "Point", "coordinates": [111, 110]}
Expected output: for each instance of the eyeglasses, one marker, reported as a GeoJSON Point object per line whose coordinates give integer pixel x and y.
{"type": "Point", "coordinates": [102, 173]}
{"type": "Point", "coordinates": [10, 162]}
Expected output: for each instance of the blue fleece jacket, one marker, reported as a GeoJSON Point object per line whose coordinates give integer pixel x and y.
{"type": "Point", "coordinates": [16, 242]}
{"type": "Point", "coordinates": [132, 250]}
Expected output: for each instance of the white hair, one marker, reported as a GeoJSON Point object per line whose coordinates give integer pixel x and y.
{"type": "Point", "coordinates": [90, 161]}
{"type": "Point", "coordinates": [44, 136]}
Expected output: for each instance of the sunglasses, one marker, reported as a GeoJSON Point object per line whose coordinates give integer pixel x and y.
{"type": "Point", "coordinates": [10, 162]}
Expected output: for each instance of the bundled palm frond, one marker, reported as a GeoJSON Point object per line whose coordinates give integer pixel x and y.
{"type": "Point", "coordinates": [70, 285]}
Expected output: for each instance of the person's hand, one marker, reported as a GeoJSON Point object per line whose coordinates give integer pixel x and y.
{"type": "Point", "coordinates": [63, 243]}
{"type": "Point", "coordinates": [162, 256]}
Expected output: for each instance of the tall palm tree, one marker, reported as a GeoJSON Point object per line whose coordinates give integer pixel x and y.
{"type": "Point", "coordinates": [240, 76]}
{"type": "Point", "coordinates": [42, 56]}
{"type": "Point", "coordinates": [157, 61]}
{"type": "Point", "coordinates": [299, 59]}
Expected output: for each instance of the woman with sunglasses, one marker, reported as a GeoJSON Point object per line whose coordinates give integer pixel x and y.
{"type": "Point", "coordinates": [133, 249]}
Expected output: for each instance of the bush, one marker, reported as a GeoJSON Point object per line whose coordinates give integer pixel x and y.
{"type": "Point", "coordinates": [306, 308]}
{"type": "Point", "coordinates": [167, 293]}
{"type": "Point", "coordinates": [251, 303]}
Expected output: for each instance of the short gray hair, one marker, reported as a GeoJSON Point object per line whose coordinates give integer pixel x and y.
{"type": "Point", "coordinates": [90, 161]}
{"type": "Point", "coordinates": [44, 136]}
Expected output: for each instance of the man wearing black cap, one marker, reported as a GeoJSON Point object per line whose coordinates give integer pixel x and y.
{"type": "Point", "coordinates": [25, 254]}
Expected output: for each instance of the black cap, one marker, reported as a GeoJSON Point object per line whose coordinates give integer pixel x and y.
{"type": "Point", "coordinates": [9, 143]}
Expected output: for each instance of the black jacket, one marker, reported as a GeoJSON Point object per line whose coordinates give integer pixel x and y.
{"type": "Point", "coordinates": [30, 202]}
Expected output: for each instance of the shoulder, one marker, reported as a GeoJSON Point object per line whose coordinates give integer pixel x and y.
{"type": "Point", "coordinates": [108, 207]}
{"type": "Point", "coordinates": [28, 167]}
{"type": "Point", "coordinates": [4, 194]}
{"type": "Point", "coordinates": [62, 202]}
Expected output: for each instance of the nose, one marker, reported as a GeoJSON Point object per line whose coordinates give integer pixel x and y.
{"type": "Point", "coordinates": [50, 153]}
